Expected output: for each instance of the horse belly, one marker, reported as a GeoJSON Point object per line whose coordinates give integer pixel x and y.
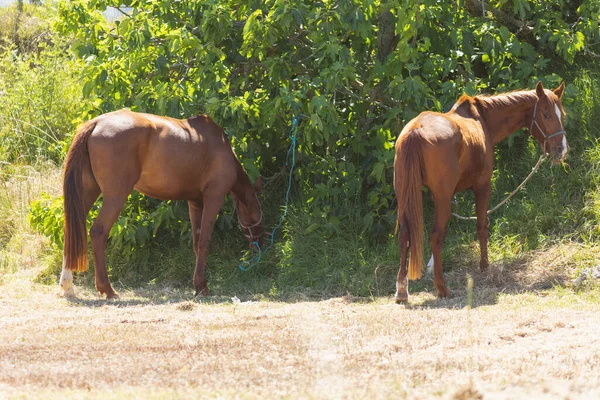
{"type": "Point", "coordinates": [184, 174]}
{"type": "Point", "coordinates": [474, 168]}
{"type": "Point", "coordinates": [167, 189]}
{"type": "Point", "coordinates": [174, 174]}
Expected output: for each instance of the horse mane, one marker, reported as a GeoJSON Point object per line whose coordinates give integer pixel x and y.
{"type": "Point", "coordinates": [498, 101]}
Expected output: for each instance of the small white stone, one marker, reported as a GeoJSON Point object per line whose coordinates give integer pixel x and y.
{"type": "Point", "coordinates": [430, 265]}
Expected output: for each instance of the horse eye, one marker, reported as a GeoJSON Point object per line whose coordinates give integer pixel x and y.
{"type": "Point", "coordinates": [546, 115]}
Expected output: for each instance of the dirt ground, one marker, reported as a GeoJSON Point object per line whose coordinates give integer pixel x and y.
{"type": "Point", "coordinates": [530, 340]}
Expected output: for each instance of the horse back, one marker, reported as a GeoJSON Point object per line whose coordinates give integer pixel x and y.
{"type": "Point", "coordinates": [165, 158]}
{"type": "Point", "coordinates": [454, 148]}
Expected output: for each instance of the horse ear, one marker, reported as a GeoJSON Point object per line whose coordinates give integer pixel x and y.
{"type": "Point", "coordinates": [560, 90]}
{"type": "Point", "coordinates": [539, 90]}
{"type": "Point", "coordinates": [258, 184]}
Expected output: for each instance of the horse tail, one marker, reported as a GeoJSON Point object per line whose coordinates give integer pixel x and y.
{"type": "Point", "coordinates": [407, 184]}
{"type": "Point", "coordinates": [75, 246]}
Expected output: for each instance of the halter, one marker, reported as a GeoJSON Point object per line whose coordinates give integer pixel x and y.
{"type": "Point", "coordinates": [250, 235]}
{"type": "Point", "coordinates": [544, 134]}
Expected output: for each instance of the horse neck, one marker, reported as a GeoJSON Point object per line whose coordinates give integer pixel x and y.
{"type": "Point", "coordinates": [504, 114]}
{"type": "Point", "coordinates": [242, 188]}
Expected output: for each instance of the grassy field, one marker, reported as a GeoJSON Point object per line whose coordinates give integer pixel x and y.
{"type": "Point", "coordinates": [530, 332]}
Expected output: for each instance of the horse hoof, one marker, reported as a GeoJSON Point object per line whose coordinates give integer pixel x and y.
{"type": "Point", "coordinates": [401, 298]}
{"type": "Point", "coordinates": [483, 266]}
{"type": "Point", "coordinates": [443, 292]}
{"type": "Point", "coordinates": [110, 293]}
{"type": "Point", "coordinates": [202, 292]}
{"type": "Point", "coordinates": [67, 286]}
{"type": "Point", "coordinates": [68, 293]}
{"type": "Point", "coordinates": [112, 296]}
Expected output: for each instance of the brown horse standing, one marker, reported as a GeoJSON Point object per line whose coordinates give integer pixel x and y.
{"type": "Point", "coordinates": [452, 152]}
{"type": "Point", "coordinates": [160, 157]}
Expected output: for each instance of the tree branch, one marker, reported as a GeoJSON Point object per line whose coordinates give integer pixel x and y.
{"type": "Point", "coordinates": [476, 9]}
{"type": "Point", "coordinates": [123, 12]}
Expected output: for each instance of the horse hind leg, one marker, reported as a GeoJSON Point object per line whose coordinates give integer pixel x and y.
{"type": "Point", "coordinates": [438, 233]}
{"type": "Point", "coordinates": [111, 207]}
{"type": "Point", "coordinates": [402, 278]}
{"type": "Point", "coordinates": [116, 169]}
{"type": "Point", "coordinates": [91, 191]}
{"type": "Point", "coordinates": [482, 196]}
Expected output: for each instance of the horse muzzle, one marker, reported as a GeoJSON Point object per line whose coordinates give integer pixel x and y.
{"type": "Point", "coordinates": [559, 153]}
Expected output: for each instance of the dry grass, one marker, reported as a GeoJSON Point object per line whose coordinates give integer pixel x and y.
{"type": "Point", "coordinates": [522, 338]}
{"type": "Point", "coordinates": [20, 246]}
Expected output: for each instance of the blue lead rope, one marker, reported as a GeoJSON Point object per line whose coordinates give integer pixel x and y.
{"type": "Point", "coordinates": [293, 136]}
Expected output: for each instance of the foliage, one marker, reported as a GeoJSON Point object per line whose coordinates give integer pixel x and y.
{"type": "Point", "coordinates": [27, 27]}
{"type": "Point", "coordinates": [355, 72]}
{"type": "Point", "coordinates": [139, 223]}
{"type": "Point", "coordinates": [39, 98]}
{"type": "Point", "coordinates": [20, 245]}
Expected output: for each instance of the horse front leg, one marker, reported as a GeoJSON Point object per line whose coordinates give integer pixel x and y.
{"type": "Point", "coordinates": [212, 206]}
{"type": "Point", "coordinates": [482, 197]}
{"type": "Point", "coordinates": [195, 210]}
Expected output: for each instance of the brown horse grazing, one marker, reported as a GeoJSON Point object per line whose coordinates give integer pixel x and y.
{"type": "Point", "coordinates": [160, 157]}
{"type": "Point", "coordinates": [452, 152]}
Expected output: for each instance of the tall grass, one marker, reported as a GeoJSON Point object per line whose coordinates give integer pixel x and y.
{"type": "Point", "coordinates": [21, 246]}
{"type": "Point", "coordinates": [39, 89]}
{"type": "Point", "coordinates": [39, 97]}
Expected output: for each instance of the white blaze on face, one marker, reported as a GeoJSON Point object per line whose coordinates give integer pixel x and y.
{"type": "Point", "coordinates": [564, 138]}
{"type": "Point", "coordinates": [558, 115]}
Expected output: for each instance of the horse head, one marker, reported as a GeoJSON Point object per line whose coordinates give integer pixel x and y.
{"type": "Point", "coordinates": [547, 122]}
{"type": "Point", "coordinates": [250, 215]}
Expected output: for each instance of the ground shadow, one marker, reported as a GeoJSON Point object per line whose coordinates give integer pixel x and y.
{"type": "Point", "coordinates": [522, 274]}
{"type": "Point", "coordinates": [154, 295]}
{"type": "Point", "coordinates": [533, 272]}
{"type": "Point", "coordinates": [164, 295]}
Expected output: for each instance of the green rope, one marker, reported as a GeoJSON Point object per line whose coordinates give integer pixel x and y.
{"type": "Point", "coordinates": [293, 136]}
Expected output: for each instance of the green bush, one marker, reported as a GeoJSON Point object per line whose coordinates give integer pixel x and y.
{"type": "Point", "coordinates": [40, 97]}
{"type": "Point", "coordinates": [353, 72]}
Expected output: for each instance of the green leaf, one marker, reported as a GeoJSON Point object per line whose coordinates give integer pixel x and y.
{"type": "Point", "coordinates": [313, 227]}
